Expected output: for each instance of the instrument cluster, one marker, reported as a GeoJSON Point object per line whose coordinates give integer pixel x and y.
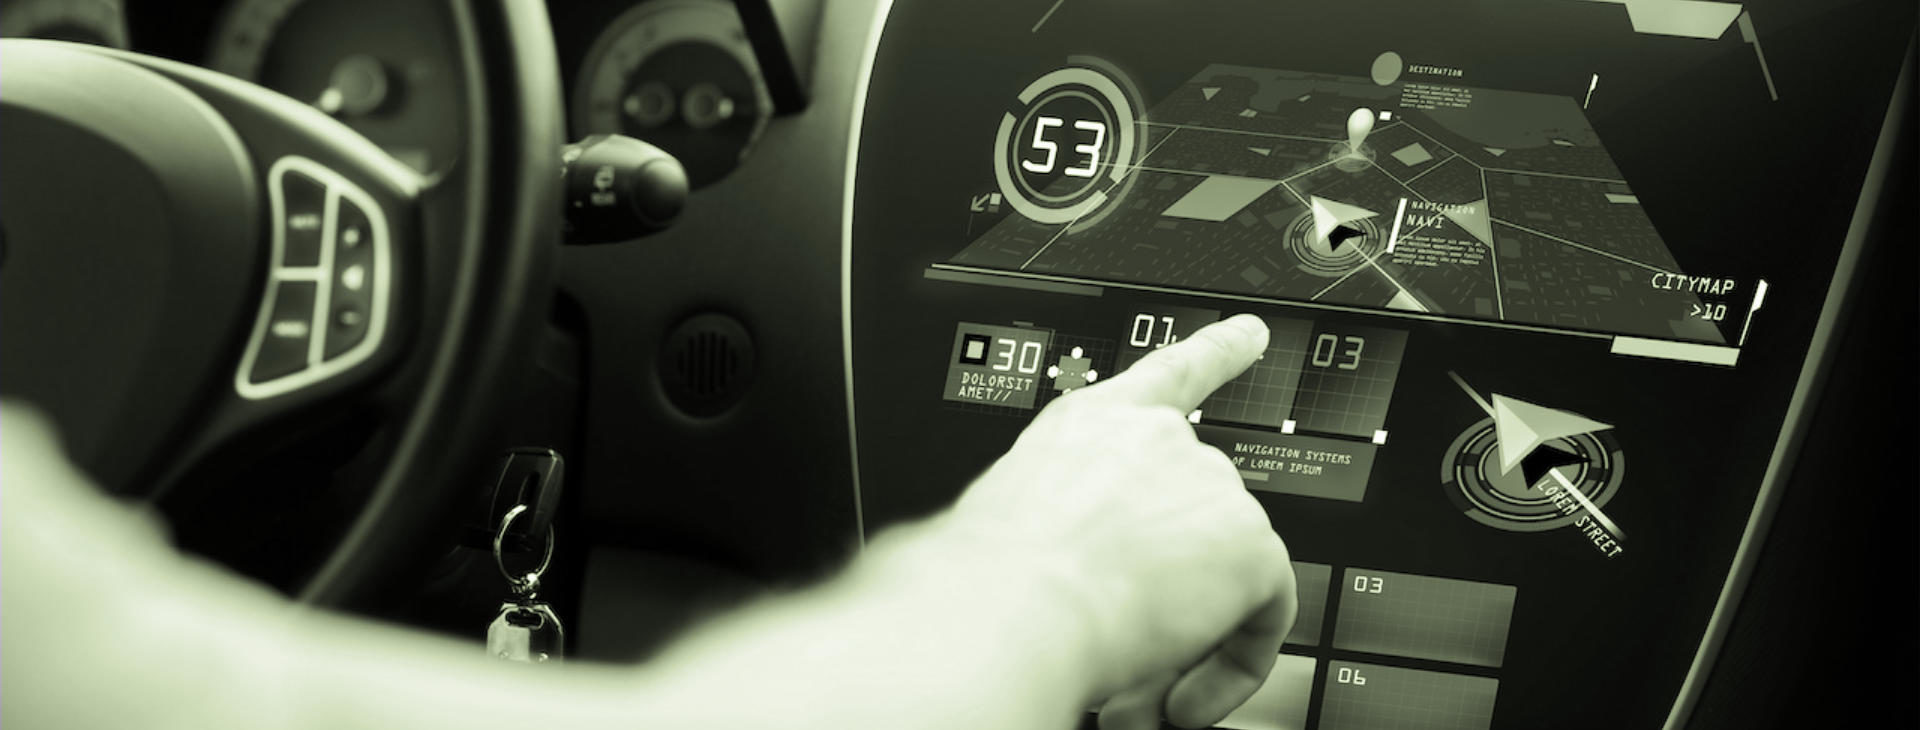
{"type": "Point", "coordinates": [679, 74]}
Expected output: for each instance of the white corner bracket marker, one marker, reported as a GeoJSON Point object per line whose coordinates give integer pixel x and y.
{"type": "Point", "coordinates": [1759, 295]}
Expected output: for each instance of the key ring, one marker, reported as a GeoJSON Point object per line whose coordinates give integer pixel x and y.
{"type": "Point", "coordinates": [531, 581]}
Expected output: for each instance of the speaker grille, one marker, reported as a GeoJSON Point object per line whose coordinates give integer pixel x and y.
{"type": "Point", "coordinates": [706, 364]}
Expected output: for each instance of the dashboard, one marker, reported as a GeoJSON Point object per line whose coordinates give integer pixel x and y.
{"type": "Point", "coordinates": [1554, 288]}
{"type": "Point", "coordinates": [679, 73]}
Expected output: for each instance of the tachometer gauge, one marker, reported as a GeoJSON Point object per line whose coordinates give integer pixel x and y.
{"type": "Point", "coordinates": [681, 75]}
{"type": "Point", "coordinates": [392, 80]}
{"type": "Point", "coordinates": [100, 22]}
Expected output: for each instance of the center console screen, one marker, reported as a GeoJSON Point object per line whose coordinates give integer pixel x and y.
{"type": "Point", "coordinates": [1543, 278]}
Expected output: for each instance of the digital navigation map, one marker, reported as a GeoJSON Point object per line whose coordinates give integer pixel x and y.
{"type": "Point", "coordinates": [1406, 194]}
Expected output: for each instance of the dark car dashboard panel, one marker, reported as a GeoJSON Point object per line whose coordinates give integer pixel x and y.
{"type": "Point", "coordinates": [1551, 284]}
{"type": "Point", "coordinates": [1544, 281]}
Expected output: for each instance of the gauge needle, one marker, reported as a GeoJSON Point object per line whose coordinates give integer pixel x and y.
{"type": "Point", "coordinates": [330, 101]}
{"type": "Point", "coordinates": [358, 86]}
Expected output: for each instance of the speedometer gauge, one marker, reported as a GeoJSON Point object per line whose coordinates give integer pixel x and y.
{"type": "Point", "coordinates": [681, 75]}
{"type": "Point", "coordinates": [391, 80]}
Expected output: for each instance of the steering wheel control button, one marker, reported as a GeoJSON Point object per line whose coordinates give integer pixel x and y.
{"type": "Point", "coordinates": [353, 273]}
{"type": "Point", "coordinates": [346, 328]}
{"type": "Point", "coordinates": [288, 342]}
{"type": "Point", "coordinates": [300, 213]}
{"type": "Point", "coordinates": [328, 292]}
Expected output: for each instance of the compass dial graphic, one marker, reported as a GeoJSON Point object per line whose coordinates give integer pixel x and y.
{"type": "Point", "coordinates": [1471, 472]}
{"type": "Point", "coordinates": [1530, 468]}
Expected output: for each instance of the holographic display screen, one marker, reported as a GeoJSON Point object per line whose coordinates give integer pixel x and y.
{"type": "Point", "coordinates": [1401, 186]}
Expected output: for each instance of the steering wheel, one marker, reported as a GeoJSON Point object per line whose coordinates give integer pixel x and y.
{"type": "Point", "coordinates": [192, 266]}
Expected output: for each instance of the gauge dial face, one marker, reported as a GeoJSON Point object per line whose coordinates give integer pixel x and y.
{"type": "Point", "coordinates": [393, 80]}
{"type": "Point", "coordinates": [680, 75]}
{"type": "Point", "coordinates": [1066, 144]}
{"type": "Point", "coordinates": [99, 22]}
{"type": "Point", "coordinates": [1591, 463]}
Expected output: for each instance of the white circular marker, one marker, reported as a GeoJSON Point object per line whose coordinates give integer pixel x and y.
{"type": "Point", "coordinates": [1386, 68]}
{"type": "Point", "coordinates": [1359, 125]}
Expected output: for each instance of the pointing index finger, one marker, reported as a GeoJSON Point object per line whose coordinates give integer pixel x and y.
{"type": "Point", "coordinates": [1182, 374]}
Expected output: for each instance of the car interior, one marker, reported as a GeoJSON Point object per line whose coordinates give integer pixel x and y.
{"type": "Point", "coordinates": [384, 304]}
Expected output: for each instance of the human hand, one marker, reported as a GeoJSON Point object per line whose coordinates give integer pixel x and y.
{"type": "Point", "coordinates": [1183, 590]}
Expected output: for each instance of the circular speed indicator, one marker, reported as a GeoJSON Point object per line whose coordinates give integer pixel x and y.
{"type": "Point", "coordinates": [1065, 150]}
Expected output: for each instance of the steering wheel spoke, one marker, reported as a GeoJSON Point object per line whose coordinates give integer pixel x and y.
{"type": "Point", "coordinates": [197, 269]}
{"type": "Point", "coordinates": [342, 230]}
{"type": "Point", "coordinates": [330, 283]}
{"type": "Point", "coordinates": [301, 308]}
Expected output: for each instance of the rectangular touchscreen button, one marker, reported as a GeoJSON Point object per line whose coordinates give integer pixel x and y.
{"type": "Point", "coordinates": [1370, 696]}
{"type": "Point", "coordinates": [1281, 702]}
{"type": "Point", "coordinates": [1420, 616]}
{"type": "Point", "coordinates": [1310, 586]}
{"type": "Point", "coordinates": [997, 366]}
{"type": "Point", "coordinates": [1263, 395]}
{"type": "Point", "coordinates": [1153, 327]}
{"type": "Point", "coordinates": [1347, 381]}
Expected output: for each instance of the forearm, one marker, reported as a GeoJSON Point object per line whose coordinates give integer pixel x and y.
{"type": "Point", "coordinates": [108, 627]}
{"type": "Point", "coordinates": [921, 632]}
